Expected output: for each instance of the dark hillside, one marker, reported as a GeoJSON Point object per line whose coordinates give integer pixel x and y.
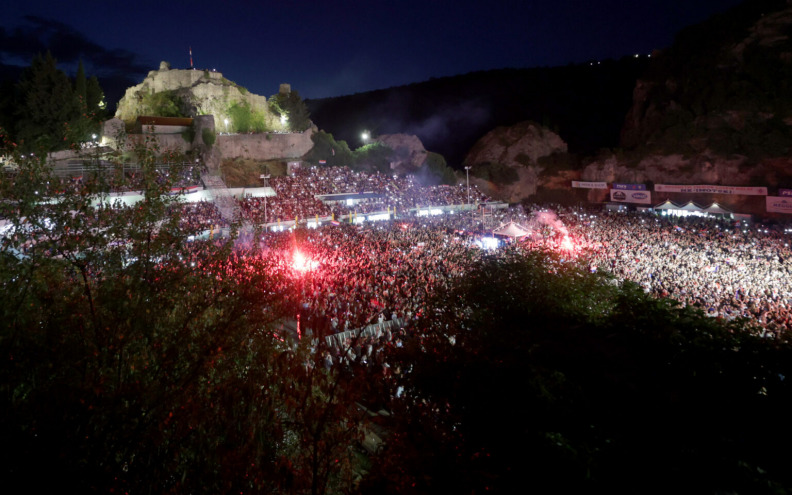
{"type": "Point", "coordinates": [585, 104]}
{"type": "Point", "coordinates": [725, 85]}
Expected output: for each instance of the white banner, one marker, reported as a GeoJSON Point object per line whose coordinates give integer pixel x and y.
{"type": "Point", "coordinates": [640, 197]}
{"type": "Point", "coordinates": [779, 204]}
{"type": "Point", "coordinates": [590, 185]}
{"type": "Point", "coordinates": [737, 190]}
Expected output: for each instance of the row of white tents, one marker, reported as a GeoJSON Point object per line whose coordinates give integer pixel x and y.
{"type": "Point", "coordinates": [669, 207]}
{"type": "Point", "coordinates": [514, 231]}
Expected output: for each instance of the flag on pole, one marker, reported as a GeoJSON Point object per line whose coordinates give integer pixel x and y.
{"type": "Point", "coordinates": [191, 63]}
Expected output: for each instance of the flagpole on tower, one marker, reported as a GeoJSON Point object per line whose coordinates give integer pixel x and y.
{"type": "Point", "coordinates": [191, 62]}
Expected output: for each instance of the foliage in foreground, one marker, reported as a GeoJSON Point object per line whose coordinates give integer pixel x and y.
{"type": "Point", "coordinates": [533, 376]}
{"type": "Point", "coordinates": [136, 361]}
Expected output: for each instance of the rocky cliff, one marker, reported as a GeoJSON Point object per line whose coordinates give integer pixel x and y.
{"type": "Point", "coordinates": [409, 153]}
{"type": "Point", "coordinates": [505, 163]}
{"type": "Point", "coordinates": [724, 87]}
{"type": "Point", "coordinates": [191, 93]}
{"type": "Point", "coordinates": [714, 108]}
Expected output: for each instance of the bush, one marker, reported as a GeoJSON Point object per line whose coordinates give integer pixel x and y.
{"type": "Point", "coordinates": [189, 134]}
{"type": "Point", "coordinates": [497, 173]}
{"type": "Point", "coordinates": [374, 157]}
{"type": "Point", "coordinates": [335, 153]}
{"type": "Point", "coordinates": [162, 104]}
{"type": "Point", "coordinates": [557, 162]}
{"type": "Point", "coordinates": [435, 171]}
{"type": "Point", "coordinates": [209, 137]}
{"type": "Point", "coordinates": [245, 119]}
{"type": "Point", "coordinates": [294, 108]}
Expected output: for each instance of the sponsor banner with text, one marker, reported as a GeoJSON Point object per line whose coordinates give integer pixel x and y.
{"type": "Point", "coordinates": [590, 185]}
{"type": "Point", "coordinates": [712, 189]}
{"type": "Point", "coordinates": [640, 197]}
{"type": "Point", "coordinates": [629, 187]}
{"type": "Point", "coordinates": [785, 192]}
{"type": "Point", "coordinates": [779, 204]}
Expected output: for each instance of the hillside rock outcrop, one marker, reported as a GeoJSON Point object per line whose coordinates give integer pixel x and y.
{"type": "Point", "coordinates": [723, 87]}
{"type": "Point", "coordinates": [195, 92]}
{"type": "Point", "coordinates": [504, 163]}
{"type": "Point", "coordinates": [733, 170]}
{"type": "Point", "coordinates": [409, 154]}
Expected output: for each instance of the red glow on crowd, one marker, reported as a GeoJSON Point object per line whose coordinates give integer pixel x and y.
{"type": "Point", "coordinates": [302, 264]}
{"type": "Point", "coordinates": [566, 244]}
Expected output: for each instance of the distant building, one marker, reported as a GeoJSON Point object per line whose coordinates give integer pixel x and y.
{"type": "Point", "coordinates": [162, 125]}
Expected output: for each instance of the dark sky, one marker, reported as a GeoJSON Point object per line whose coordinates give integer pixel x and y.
{"type": "Point", "coordinates": [341, 47]}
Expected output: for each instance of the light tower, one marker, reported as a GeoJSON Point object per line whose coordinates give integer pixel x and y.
{"type": "Point", "coordinates": [467, 179]}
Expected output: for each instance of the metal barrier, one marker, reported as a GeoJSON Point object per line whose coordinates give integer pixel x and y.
{"type": "Point", "coordinates": [376, 330]}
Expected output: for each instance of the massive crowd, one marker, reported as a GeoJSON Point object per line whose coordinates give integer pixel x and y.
{"type": "Point", "coordinates": [726, 268]}
{"type": "Point", "coordinates": [382, 271]}
{"type": "Point", "coordinates": [296, 195]}
{"type": "Point", "coordinates": [364, 274]}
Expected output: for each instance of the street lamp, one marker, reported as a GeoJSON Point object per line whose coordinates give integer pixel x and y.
{"type": "Point", "coordinates": [365, 136]}
{"type": "Point", "coordinates": [467, 179]}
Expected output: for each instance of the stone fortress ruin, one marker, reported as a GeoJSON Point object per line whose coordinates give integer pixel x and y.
{"type": "Point", "coordinates": [183, 107]}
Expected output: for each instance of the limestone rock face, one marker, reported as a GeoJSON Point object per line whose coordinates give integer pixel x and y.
{"type": "Point", "coordinates": [670, 169]}
{"type": "Point", "coordinates": [200, 92]}
{"type": "Point", "coordinates": [408, 149]}
{"type": "Point", "coordinates": [735, 170]}
{"type": "Point", "coordinates": [722, 87]}
{"type": "Point", "coordinates": [518, 147]}
{"type": "Point", "coordinates": [520, 144]}
{"type": "Point", "coordinates": [112, 129]}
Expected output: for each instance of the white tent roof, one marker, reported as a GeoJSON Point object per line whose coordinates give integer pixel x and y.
{"type": "Point", "coordinates": [667, 205]}
{"type": "Point", "coordinates": [717, 209]}
{"type": "Point", "coordinates": [511, 229]}
{"type": "Point", "coordinates": [690, 206]}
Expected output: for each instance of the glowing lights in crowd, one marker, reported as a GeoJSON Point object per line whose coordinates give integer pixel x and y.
{"type": "Point", "coordinates": [302, 264]}
{"type": "Point", "coordinates": [489, 243]}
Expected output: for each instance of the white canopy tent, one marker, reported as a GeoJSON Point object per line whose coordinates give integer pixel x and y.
{"type": "Point", "coordinates": [691, 206]}
{"type": "Point", "coordinates": [667, 205]}
{"type": "Point", "coordinates": [512, 230]}
{"type": "Point", "coordinates": [716, 209]}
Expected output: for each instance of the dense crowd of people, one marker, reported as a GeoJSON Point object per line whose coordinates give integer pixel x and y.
{"type": "Point", "coordinates": [384, 271]}
{"type": "Point", "coordinates": [199, 216]}
{"type": "Point", "coordinates": [726, 268]}
{"type": "Point", "coordinates": [130, 178]}
{"type": "Point", "coordinates": [359, 275]}
{"type": "Point", "coordinates": [296, 195]}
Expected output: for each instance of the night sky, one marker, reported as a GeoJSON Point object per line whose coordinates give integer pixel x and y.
{"type": "Point", "coordinates": [342, 47]}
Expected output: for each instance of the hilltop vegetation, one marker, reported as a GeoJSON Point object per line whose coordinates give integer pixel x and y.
{"type": "Point", "coordinates": [45, 110]}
